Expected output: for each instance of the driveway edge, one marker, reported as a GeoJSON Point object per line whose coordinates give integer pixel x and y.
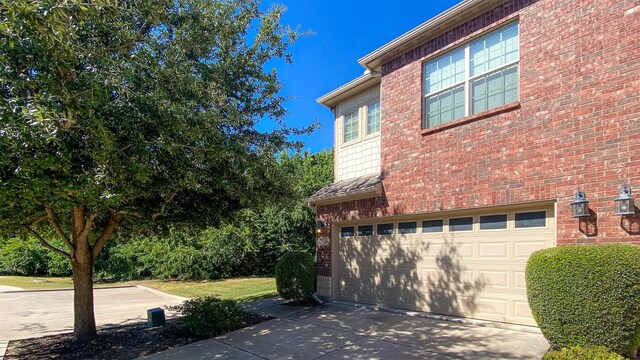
{"type": "Point", "coordinates": [160, 293]}
{"type": "Point", "coordinates": [66, 289]}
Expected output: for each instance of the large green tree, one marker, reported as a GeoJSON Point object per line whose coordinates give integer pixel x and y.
{"type": "Point", "coordinates": [139, 110]}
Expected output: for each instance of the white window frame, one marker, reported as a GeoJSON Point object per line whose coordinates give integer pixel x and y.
{"type": "Point", "coordinates": [366, 132]}
{"type": "Point", "coordinates": [468, 80]}
{"type": "Point", "coordinates": [358, 127]}
{"type": "Point", "coordinates": [362, 111]}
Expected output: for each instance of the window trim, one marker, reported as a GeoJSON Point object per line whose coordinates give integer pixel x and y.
{"type": "Point", "coordinates": [357, 231]}
{"type": "Point", "coordinates": [546, 220]}
{"type": "Point", "coordinates": [358, 127]}
{"type": "Point", "coordinates": [443, 226]}
{"type": "Point", "coordinates": [400, 231]}
{"type": "Point", "coordinates": [354, 232]}
{"type": "Point", "coordinates": [468, 80]}
{"type": "Point", "coordinates": [507, 221]}
{"type": "Point", "coordinates": [473, 224]}
{"type": "Point", "coordinates": [393, 229]}
{"type": "Point", "coordinates": [366, 133]}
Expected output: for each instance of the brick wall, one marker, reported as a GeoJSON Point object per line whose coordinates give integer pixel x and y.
{"type": "Point", "coordinates": [577, 124]}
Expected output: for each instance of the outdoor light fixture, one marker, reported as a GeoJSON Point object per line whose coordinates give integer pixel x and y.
{"type": "Point", "coordinates": [321, 228]}
{"type": "Point", "coordinates": [624, 202]}
{"type": "Point", "coordinates": [580, 205]}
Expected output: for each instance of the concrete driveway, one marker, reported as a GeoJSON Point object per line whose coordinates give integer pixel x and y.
{"type": "Point", "coordinates": [333, 331]}
{"type": "Point", "coordinates": [27, 314]}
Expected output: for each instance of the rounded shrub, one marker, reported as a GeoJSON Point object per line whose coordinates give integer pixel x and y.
{"type": "Point", "coordinates": [587, 296]}
{"type": "Point", "coordinates": [582, 353]}
{"type": "Point", "coordinates": [210, 316]}
{"type": "Point", "coordinates": [296, 276]}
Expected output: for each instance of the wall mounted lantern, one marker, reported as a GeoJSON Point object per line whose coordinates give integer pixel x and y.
{"type": "Point", "coordinates": [624, 202]}
{"type": "Point", "coordinates": [580, 205]}
{"type": "Point", "coordinates": [321, 228]}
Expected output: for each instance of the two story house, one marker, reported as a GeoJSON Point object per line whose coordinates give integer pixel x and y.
{"type": "Point", "coordinates": [460, 151]}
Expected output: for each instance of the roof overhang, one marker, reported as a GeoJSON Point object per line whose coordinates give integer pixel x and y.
{"type": "Point", "coordinates": [458, 14]}
{"type": "Point", "coordinates": [363, 82]}
{"type": "Point", "coordinates": [347, 190]}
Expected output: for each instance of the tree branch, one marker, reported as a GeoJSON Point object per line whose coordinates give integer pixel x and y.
{"type": "Point", "coordinates": [106, 233]}
{"type": "Point", "coordinates": [88, 226]}
{"type": "Point", "coordinates": [38, 221]}
{"type": "Point", "coordinates": [166, 202]}
{"type": "Point", "coordinates": [46, 244]}
{"type": "Point", "coordinates": [125, 212]}
{"type": "Point", "coordinates": [52, 219]}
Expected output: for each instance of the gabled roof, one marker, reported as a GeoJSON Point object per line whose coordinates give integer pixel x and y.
{"type": "Point", "coordinates": [373, 61]}
{"type": "Point", "coordinates": [350, 189]}
{"type": "Point", "coordinates": [440, 23]}
{"type": "Point", "coordinates": [362, 82]}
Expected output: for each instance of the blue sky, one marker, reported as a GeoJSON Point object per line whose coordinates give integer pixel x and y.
{"type": "Point", "coordinates": [344, 31]}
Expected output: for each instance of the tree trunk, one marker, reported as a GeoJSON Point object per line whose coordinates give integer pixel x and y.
{"type": "Point", "coordinates": [84, 327]}
{"type": "Point", "coordinates": [84, 324]}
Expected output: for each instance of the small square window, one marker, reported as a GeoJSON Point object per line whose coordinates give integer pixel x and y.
{"type": "Point", "coordinates": [346, 231]}
{"type": "Point", "coordinates": [493, 222]}
{"type": "Point", "coordinates": [365, 230]}
{"type": "Point", "coordinates": [531, 219]}
{"type": "Point", "coordinates": [407, 227]}
{"type": "Point", "coordinates": [385, 229]}
{"type": "Point", "coordinates": [432, 226]}
{"type": "Point", "coordinates": [461, 224]}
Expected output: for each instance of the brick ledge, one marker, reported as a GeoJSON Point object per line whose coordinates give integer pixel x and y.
{"type": "Point", "coordinates": [471, 118]}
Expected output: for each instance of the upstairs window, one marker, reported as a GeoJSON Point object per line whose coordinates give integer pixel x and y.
{"type": "Point", "coordinates": [479, 76]}
{"type": "Point", "coordinates": [351, 126]}
{"type": "Point", "coordinates": [373, 118]}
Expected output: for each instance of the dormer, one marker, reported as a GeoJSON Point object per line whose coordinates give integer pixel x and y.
{"type": "Point", "coordinates": [357, 119]}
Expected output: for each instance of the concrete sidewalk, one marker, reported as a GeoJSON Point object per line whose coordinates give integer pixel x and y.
{"type": "Point", "coordinates": [31, 313]}
{"type": "Point", "coordinates": [333, 331]}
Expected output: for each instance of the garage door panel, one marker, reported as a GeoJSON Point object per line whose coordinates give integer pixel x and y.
{"type": "Point", "coordinates": [412, 240]}
{"type": "Point", "coordinates": [494, 250]}
{"type": "Point", "coordinates": [519, 280]}
{"type": "Point", "coordinates": [492, 306]}
{"type": "Point", "coordinates": [462, 250]}
{"type": "Point", "coordinates": [524, 249]}
{"type": "Point", "coordinates": [495, 279]}
{"type": "Point", "coordinates": [477, 274]}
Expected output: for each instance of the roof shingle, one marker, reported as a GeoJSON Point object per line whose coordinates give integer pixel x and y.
{"type": "Point", "coordinates": [358, 186]}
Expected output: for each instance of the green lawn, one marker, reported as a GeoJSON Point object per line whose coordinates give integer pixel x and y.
{"type": "Point", "coordinates": [35, 283]}
{"type": "Point", "coordinates": [242, 289]}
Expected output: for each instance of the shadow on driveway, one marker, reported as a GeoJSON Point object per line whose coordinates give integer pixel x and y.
{"type": "Point", "coordinates": [333, 331]}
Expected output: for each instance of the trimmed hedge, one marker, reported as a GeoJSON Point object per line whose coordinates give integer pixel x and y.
{"type": "Point", "coordinates": [587, 296]}
{"type": "Point", "coordinates": [296, 276]}
{"type": "Point", "coordinates": [582, 353]}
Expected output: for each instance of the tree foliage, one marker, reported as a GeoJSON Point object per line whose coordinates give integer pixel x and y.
{"type": "Point", "coordinates": [248, 244]}
{"type": "Point", "coordinates": [148, 107]}
{"type": "Point", "coordinates": [135, 108]}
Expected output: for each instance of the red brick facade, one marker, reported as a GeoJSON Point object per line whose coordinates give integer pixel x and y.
{"type": "Point", "coordinates": [576, 126]}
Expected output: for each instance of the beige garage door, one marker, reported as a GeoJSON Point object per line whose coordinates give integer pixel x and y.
{"type": "Point", "coordinates": [469, 265]}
